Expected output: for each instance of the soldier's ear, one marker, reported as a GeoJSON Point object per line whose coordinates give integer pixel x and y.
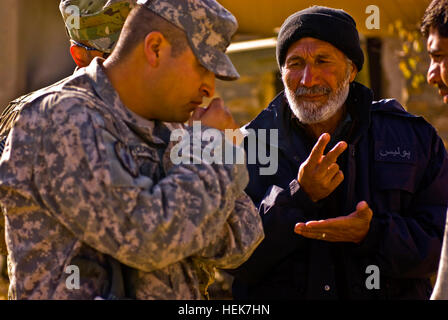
{"type": "Point", "coordinates": [80, 56]}
{"type": "Point", "coordinates": [153, 46]}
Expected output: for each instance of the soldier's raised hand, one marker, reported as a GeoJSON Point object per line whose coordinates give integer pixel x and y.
{"type": "Point", "coordinates": [216, 115]}
{"type": "Point", "coordinates": [319, 174]}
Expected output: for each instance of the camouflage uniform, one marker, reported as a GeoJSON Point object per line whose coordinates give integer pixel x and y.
{"type": "Point", "coordinates": [100, 21]}
{"type": "Point", "coordinates": [82, 177]}
{"type": "Point", "coordinates": [100, 25]}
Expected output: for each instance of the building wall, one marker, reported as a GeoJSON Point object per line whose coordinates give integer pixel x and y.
{"type": "Point", "coordinates": [35, 47]}
{"type": "Point", "coordinates": [250, 94]}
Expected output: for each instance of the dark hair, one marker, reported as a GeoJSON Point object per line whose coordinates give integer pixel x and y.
{"type": "Point", "coordinates": [142, 21]}
{"type": "Point", "coordinates": [436, 16]}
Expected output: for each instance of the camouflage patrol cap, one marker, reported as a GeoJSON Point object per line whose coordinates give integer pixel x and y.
{"type": "Point", "coordinates": [209, 28]}
{"type": "Point", "coordinates": [96, 23]}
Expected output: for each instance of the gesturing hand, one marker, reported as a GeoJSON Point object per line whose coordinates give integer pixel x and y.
{"type": "Point", "coordinates": [351, 228]}
{"type": "Point", "coordinates": [319, 175]}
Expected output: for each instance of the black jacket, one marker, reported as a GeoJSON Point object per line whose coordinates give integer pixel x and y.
{"type": "Point", "coordinates": [396, 162]}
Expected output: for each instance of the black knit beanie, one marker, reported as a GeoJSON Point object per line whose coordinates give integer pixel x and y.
{"type": "Point", "coordinates": [331, 25]}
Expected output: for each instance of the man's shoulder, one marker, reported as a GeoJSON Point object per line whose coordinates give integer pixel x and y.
{"type": "Point", "coordinates": [18, 103]}
{"type": "Point", "coordinates": [13, 109]}
{"type": "Point", "coordinates": [389, 113]}
{"type": "Point", "coordinates": [393, 108]}
{"type": "Point", "coordinates": [62, 97]}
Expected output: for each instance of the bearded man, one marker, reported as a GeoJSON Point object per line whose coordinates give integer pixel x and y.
{"type": "Point", "coordinates": [357, 207]}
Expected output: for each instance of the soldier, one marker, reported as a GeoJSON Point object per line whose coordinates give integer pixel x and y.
{"type": "Point", "coordinates": [86, 172]}
{"type": "Point", "coordinates": [100, 23]}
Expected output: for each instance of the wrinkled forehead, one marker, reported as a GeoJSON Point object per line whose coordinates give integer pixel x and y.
{"type": "Point", "coordinates": [312, 47]}
{"type": "Point", "coordinates": [436, 42]}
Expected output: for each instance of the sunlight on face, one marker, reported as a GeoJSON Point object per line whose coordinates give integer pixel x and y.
{"type": "Point", "coordinates": [317, 77]}
{"type": "Point", "coordinates": [309, 112]}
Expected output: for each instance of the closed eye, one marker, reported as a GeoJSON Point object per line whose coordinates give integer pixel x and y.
{"type": "Point", "coordinates": [435, 56]}
{"type": "Point", "coordinates": [294, 63]}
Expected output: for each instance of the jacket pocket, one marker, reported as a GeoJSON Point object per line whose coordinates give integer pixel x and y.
{"type": "Point", "coordinates": [396, 183]}
{"type": "Point", "coordinates": [395, 176]}
{"type": "Point", "coordinates": [395, 165]}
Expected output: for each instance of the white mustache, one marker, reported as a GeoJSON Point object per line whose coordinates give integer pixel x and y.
{"type": "Point", "coordinates": [314, 90]}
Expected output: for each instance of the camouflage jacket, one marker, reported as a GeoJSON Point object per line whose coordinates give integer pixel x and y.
{"type": "Point", "coordinates": [7, 120]}
{"type": "Point", "coordinates": [82, 177]}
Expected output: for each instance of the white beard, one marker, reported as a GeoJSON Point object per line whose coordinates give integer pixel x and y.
{"type": "Point", "coordinates": [312, 112]}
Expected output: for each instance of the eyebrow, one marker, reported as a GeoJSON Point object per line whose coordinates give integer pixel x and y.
{"type": "Point", "coordinates": [294, 58]}
{"type": "Point", "coordinates": [317, 56]}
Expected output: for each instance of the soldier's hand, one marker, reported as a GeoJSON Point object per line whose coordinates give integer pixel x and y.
{"type": "Point", "coordinates": [216, 115]}
{"type": "Point", "coordinates": [319, 175]}
{"type": "Point", "coordinates": [351, 228]}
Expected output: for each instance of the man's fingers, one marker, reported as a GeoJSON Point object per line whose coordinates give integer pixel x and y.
{"type": "Point", "coordinates": [317, 225]}
{"type": "Point", "coordinates": [300, 225]}
{"type": "Point", "coordinates": [334, 153]}
{"type": "Point", "coordinates": [318, 149]}
{"type": "Point", "coordinates": [216, 103]}
{"type": "Point", "coordinates": [196, 115]}
{"type": "Point", "coordinates": [337, 179]}
{"type": "Point", "coordinates": [312, 234]}
{"type": "Point", "coordinates": [364, 210]}
{"type": "Point", "coordinates": [361, 206]}
{"type": "Point", "coordinates": [333, 169]}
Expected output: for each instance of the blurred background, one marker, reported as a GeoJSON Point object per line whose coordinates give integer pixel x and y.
{"type": "Point", "coordinates": [35, 53]}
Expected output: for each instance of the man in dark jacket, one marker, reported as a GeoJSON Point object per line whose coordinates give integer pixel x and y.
{"type": "Point", "coordinates": [364, 220]}
{"type": "Point", "coordinates": [435, 29]}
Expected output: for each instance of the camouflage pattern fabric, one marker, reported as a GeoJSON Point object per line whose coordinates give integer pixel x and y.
{"type": "Point", "coordinates": [7, 120]}
{"type": "Point", "coordinates": [209, 28]}
{"type": "Point", "coordinates": [100, 21]}
{"type": "Point", "coordinates": [3, 249]}
{"type": "Point", "coordinates": [83, 177]}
